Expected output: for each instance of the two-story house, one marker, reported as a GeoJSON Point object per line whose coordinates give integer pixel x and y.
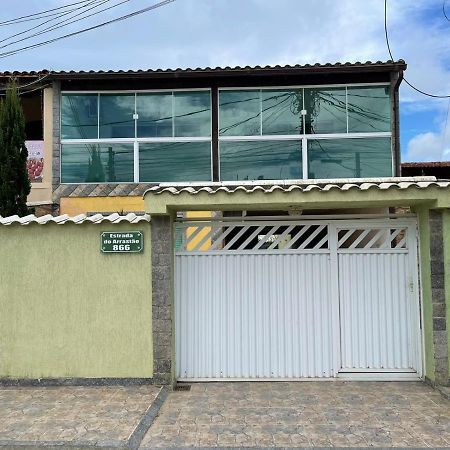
{"type": "Point", "coordinates": [284, 242]}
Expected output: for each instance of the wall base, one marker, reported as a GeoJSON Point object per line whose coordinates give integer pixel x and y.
{"type": "Point", "coordinates": [77, 381]}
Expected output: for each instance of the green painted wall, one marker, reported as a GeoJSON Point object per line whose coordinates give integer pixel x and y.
{"type": "Point", "coordinates": [425, 275]}
{"type": "Point", "coordinates": [446, 231]}
{"type": "Point", "coordinates": [67, 310]}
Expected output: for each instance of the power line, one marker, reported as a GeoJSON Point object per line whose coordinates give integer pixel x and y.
{"type": "Point", "coordinates": [36, 15]}
{"type": "Point", "coordinates": [65, 22]}
{"type": "Point", "coordinates": [444, 11]}
{"type": "Point", "coordinates": [59, 15]}
{"type": "Point", "coordinates": [109, 22]}
{"type": "Point", "coordinates": [19, 87]}
{"type": "Point", "coordinates": [390, 53]}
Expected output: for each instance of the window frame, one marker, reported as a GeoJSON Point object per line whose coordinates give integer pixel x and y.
{"type": "Point", "coordinates": [136, 141]}
{"type": "Point", "coordinates": [305, 137]}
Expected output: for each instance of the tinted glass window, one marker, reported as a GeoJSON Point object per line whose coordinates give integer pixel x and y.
{"type": "Point", "coordinates": [116, 116]}
{"type": "Point", "coordinates": [325, 111]}
{"type": "Point", "coordinates": [175, 161]}
{"type": "Point", "coordinates": [93, 163]}
{"type": "Point", "coordinates": [281, 112]}
{"type": "Point", "coordinates": [79, 116]}
{"type": "Point", "coordinates": [192, 112]}
{"type": "Point", "coordinates": [260, 160]}
{"type": "Point", "coordinates": [369, 109]}
{"type": "Point", "coordinates": [349, 158]}
{"type": "Point", "coordinates": [155, 115]}
{"type": "Point", "coordinates": [239, 113]}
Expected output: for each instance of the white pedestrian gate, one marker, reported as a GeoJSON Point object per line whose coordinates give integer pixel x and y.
{"type": "Point", "coordinates": [292, 299]}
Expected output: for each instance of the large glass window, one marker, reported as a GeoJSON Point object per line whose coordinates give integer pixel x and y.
{"type": "Point", "coordinates": [192, 114]}
{"type": "Point", "coordinates": [155, 115]}
{"type": "Point", "coordinates": [281, 112]}
{"type": "Point", "coordinates": [256, 129]}
{"type": "Point", "coordinates": [97, 163]}
{"type": "Point", "coordinates": [369, 109]}
{"type": "Point", "coordinates": [79, 116]}
{"type": "Point", "coordinates": [260, 160]}
{"type": "Point", "coordinates": [260, 112]}
{"type": "Point", "coordinates": [174, 161]}
{"type": "Point", "coordinates": [325, 111]}
{"type": "Point", "coordinates": [349, 158]}
{"type": "Point", "coordinates": [116, 116]}
{"type": "Point", "coordinates": [167, 134]}
{"type": "Point", "coordinates": [344, 131]}
{"type": "Point", "coordinates": [178, 114]}
{"type": "Point", "coordinates": [239, 113]}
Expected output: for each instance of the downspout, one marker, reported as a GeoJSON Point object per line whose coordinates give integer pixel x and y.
{"type": "Point", "coordinates": [396, 79]}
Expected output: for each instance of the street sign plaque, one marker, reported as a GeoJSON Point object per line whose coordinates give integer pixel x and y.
{"type": "Point", "coordinates": [122, 242]}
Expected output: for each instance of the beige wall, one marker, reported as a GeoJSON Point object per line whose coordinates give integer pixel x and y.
{"type": "Point", "coordinates": [42, 192]}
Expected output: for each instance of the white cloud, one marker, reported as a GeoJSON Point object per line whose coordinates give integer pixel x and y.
{"type": "Point", "coordinates": [425, 147]}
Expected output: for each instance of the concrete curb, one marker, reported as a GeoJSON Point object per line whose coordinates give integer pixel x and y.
{"type": "Point", "coordinates": [132, 443]}
{"type": "Point", "coordinates": [147, 419]}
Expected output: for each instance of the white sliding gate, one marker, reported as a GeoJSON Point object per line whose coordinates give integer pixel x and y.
{"type": "Point", "coordinates": [292, 299]}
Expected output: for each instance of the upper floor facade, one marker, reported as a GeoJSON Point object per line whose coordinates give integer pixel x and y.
{"type": "Point", "coordinates": [116, 133]}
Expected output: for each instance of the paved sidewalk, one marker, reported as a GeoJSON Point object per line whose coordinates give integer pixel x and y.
{"type": "Point", "coordinates": [303, 414]}
{"type": "Point", "coordinates": [73, 415]}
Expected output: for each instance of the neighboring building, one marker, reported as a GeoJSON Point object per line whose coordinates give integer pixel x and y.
{"type": "Point", "coordinates": [36, 97]}
{"type": "Point", "coordinates": [438, 169]}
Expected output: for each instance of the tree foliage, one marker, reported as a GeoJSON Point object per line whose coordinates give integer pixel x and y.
{"type": "Point", "coordinates": [14, 182]}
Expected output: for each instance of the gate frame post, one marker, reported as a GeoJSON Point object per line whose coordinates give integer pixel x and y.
{"type": "Point", "coordinates": [162, 298]}
{"type": "Point", "coordinates": [438, 297]}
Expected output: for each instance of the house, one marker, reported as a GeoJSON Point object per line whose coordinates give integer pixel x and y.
{"type": "Point", "coordinates": [284, 243]}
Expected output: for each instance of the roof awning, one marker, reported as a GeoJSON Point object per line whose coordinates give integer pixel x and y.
{"type": "Point", "coordinates": [305, 194]}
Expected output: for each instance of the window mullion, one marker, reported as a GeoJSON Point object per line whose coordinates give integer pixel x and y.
{"type": "Point", "coordinates": [260, 113]}
{"type": "Point", "coordinates": [305, 158]}
{"type": "Point", "coordinates": [98, 116]}
{"type": "Point", "coordinates": [136, 161]}
{"type": "Point", "coordinates": [346, 105]}
{"type": "Point", "coordinates": [173, 114]}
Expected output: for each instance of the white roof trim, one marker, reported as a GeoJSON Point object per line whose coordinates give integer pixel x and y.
{"type": "Point", "coordinates": [268, 186]}
{"type": "Point", "coordinates": [82, 218]}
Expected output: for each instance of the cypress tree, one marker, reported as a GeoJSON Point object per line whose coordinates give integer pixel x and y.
{"type": "Point", "coordinates": [14, 182]}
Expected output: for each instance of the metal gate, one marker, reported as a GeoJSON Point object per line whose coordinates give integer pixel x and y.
{"type": "Point", "coordinates": [293, 299]}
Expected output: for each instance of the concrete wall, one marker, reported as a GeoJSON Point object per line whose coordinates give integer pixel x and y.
{"type": "Point", "coordinates": [68, 310]}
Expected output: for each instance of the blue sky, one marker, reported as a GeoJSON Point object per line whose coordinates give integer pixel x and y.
{"type": "Point", "coordinates": [199, 33]}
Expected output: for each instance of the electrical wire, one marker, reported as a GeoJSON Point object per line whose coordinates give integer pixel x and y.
{"type": "Point", "coordinates": [94, 27]}
{"type": "Point", "coordinates": [40, 79]}
{"type": "Point", "coordinates": [58, 16]}
{"type": "Point", "coordinates": [66, 22]}
{"type": "Point", "coordinates": [41, 14]}
{"type": "Point", "coordinates": [444, 11]}
{"type": "Point", "coordinates": [392, 58]}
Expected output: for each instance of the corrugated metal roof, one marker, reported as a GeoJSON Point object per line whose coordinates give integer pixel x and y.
{"type": "Point", "coordinates": [301, 186]}
{"type": "Point", "coordinates": [82, 218]}
{"type": "Point", "coordinates": [394, 65]}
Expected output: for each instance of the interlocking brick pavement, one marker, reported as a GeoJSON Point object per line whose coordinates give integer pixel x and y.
{"type": "Point", "coordinates": [303, 414]}
{"type": "Point", "coordinates": [72, 414]}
